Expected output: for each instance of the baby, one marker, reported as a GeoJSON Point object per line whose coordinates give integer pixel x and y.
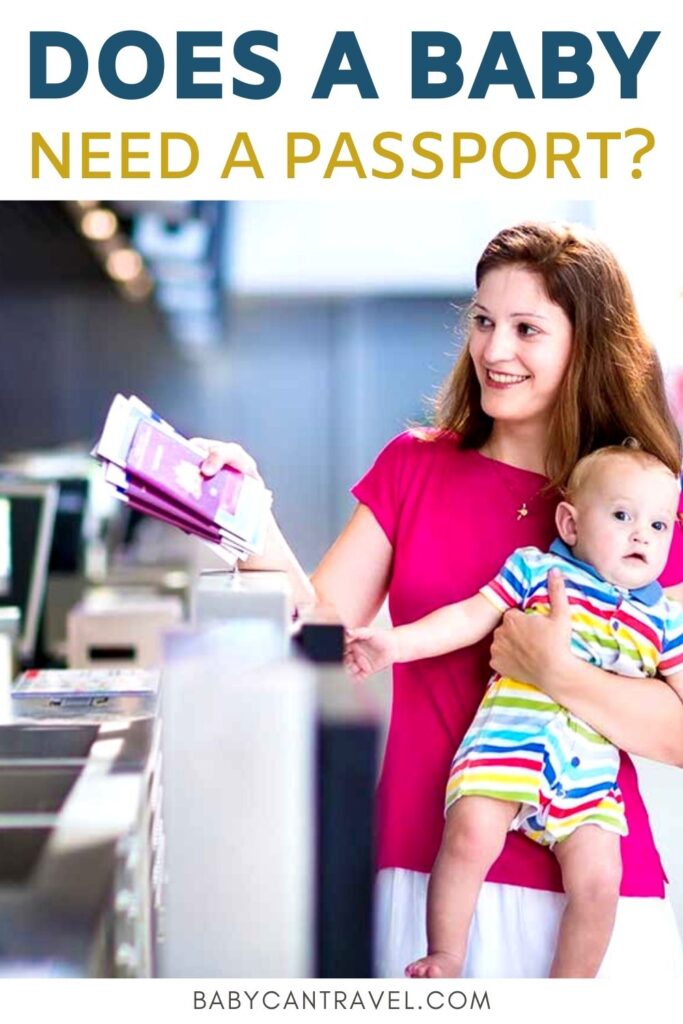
{"type": "Point", "coordinates": [527, 763]}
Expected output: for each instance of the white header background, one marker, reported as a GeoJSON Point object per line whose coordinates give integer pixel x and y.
{"type": "Point", "coordinates": [640, 217]}
{"type": "Point", "coordinates": [305, 31]}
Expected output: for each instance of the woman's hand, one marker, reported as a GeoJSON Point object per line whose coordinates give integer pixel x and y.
{"type": "Point", "coordinates": [531, 648]}
{"type": "Point", "coordinates": [225, 453]}
{"type": "Point", "coordinates": [643, 716]}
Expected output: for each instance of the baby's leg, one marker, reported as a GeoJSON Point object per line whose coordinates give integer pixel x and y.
{"type": "Point", "coordinates": [473, 839]}
{"type": "Point", "coordinates": [590, 859]}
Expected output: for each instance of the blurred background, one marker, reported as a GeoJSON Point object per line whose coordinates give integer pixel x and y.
{"type": "Point", "coordinates": [309, 332]}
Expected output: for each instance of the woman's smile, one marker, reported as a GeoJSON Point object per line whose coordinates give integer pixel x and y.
{"type": "Point", "coordinates": [498, 379]}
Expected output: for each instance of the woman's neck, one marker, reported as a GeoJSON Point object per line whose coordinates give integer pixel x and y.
{"type": "Point", "coordinates": [520, 446]}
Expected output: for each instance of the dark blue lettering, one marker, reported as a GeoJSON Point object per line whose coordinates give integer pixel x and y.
{"type": "Point", "coordinates": [250, 61]}
{"type": "Point", "coordinates": [501, 44]}
{"type": "Point", "coordinates": [345, 45]}
{"type": "Point", "coordinates": [628, 67]}
{"type": "Point", "coordinates": [577, 63]}
{"type": "Point", "coordinates": [188, 64]}
{"type": "Point", "coordinates": [446, 63]}
{"type": "Point", "coordinates": [39, 43]}
{"type": "Point", "coordinates": [150, 81]}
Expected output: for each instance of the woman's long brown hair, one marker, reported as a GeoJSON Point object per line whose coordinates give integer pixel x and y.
{"type": "Point", "coordinates": [613, 387]}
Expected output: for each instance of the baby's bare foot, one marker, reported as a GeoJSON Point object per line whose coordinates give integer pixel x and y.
{"type": "Point", "coordinates": [436, 965]}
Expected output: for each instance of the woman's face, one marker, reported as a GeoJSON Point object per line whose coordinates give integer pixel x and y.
{"type": "Point", "coordinates": [519, 343]}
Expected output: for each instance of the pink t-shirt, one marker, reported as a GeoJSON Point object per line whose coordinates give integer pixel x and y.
{"type": "Point", "coordinates": [451, 517]}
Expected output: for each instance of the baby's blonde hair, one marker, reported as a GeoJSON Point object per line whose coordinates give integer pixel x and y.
{"type": "Point", "coordinates": [587, 466]}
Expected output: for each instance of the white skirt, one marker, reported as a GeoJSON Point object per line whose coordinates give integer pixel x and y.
{"type": "Point", "coordinates": [514, 932]}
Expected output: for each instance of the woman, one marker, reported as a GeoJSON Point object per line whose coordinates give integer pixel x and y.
{"type": "Point", "coordinates": [556, 365]}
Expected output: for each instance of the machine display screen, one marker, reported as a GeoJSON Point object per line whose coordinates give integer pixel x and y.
{"type": "Point", "coordinates": [5, 547]}
{"type": "Point", "coordinates": [27, 518]}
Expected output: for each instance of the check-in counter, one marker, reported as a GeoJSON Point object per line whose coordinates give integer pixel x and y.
{"type": "Point", "coordinates": [238, 776]}
{"type": "Point", "coordinates": [270, 758]}
{"type": "Point", "coordinates": [115, 627]}
{"type": "Point", "coordinates": [208, 834]}
{"type": "Point", "coordinates": [76, 812]}
{"type": "Point", "coordinates": [220, 596]}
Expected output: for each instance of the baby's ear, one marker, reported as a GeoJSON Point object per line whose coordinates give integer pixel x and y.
{"type": "Point", "coordinates": [565, 521]}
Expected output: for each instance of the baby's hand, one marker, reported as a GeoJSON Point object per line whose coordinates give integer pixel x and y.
{"type": "Point", "coordinates": [369, 650]}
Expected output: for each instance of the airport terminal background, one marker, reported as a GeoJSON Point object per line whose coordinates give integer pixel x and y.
{"type": "Point", "coordinates": [311, 333]}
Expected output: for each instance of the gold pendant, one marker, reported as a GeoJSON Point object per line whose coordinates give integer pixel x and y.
{"type": "Point", "coordinates": [522, 512]}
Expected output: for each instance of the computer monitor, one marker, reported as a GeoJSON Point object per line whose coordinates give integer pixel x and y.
{"type": "Point", "coordinates": [32, 508]}
{"type": "Point", "coordinates": [66, 555]}
{"type": "Point", "coordinates": [5, 547]}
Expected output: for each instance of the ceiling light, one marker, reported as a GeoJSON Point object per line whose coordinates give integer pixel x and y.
{"type": "Point", "coordinates": [99, 224]}
{"type": "Point", "coordinates": [124, 264]}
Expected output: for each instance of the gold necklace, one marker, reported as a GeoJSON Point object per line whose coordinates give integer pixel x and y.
{"type": "Point", "coordinates": [523, 511]}
{"type": "Point", "coordinates": [525, 508]}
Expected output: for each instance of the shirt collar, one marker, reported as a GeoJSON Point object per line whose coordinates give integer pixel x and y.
{"type": "Point", "coordinates": [647, 595]}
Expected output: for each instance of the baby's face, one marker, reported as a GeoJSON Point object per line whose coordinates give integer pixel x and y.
{"type": "Point", "coordinates": [625, 516]}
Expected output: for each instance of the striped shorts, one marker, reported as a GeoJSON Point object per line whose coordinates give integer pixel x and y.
{"type": "Point", "coordinates": [524, 748]}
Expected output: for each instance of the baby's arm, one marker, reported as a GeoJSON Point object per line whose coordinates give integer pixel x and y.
{"type": "Point", "coordinates": [447, 629]}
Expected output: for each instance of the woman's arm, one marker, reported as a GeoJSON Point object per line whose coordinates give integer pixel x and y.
{"type": "Point", "coordinates": [675, 593]}
{"type": "Point", "coordinates": [353, 576]}
{"type": "Point", "coordinates": [277, 555]}
{"type": "Point", "coordinates": [643, 716]}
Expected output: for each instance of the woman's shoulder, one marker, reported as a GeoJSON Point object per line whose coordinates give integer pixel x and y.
{"type": "Point", "coordinates": [418, 467]}
{"type": "Point", "coordinates": [423, 443]}
{"type": "Point", "coordinates": [421, 455]}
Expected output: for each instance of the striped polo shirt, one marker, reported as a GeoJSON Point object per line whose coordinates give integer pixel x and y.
{"type": "Point", "coordinates": [635, 632]}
